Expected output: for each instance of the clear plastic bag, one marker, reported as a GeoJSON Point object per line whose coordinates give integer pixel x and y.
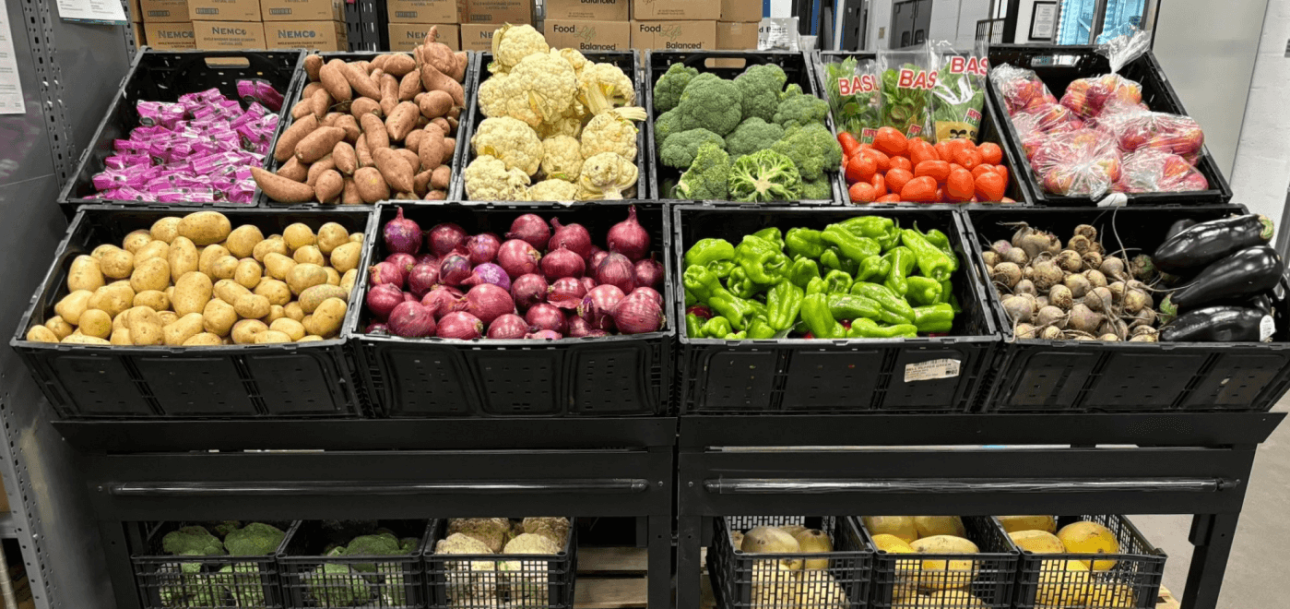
{"type": "Point", "coordinates": [854, 100]}
{"type": "Point", "coordinates": [1088, 96]}
{"type": "Point", "coordinates": [1021, 88]}
{"type": "Point", "coordinates": [906, 80]}
{"type": "Point", "coordinates": [958, 97]}
{"type": "Point", "coordinates": [1077, 163]}
{"type": "Point", "coordinates": [1136, 128]}
{"type": "Point", "coordinates": [1152, 170]}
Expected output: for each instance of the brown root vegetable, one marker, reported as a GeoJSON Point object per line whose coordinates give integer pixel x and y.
{"type": "Point", "coordinates": [434, 80]}
{"type": "Point", "coordinates": [1051, 333]}
{"type": "Point", "coordinates": [1092, 260]}
{"type": "Point", "coordinates": [1087, 231]}
{"type": "Point", "coordinates": [389, 93]}
{"type": "Point", "coordinates": [292, 135]}
{"type": "Point", "coordinates": [360, 81]}
{"type": "Point", "coordinates": [421, 184]}
{"type": "Point", "coordinates": [413, 141]}
{"type": "Point", "coordinates": [1099, 300]}
{"type": "Point", "coordinates": [1025, 331]}
{"type": "Point", "coordinates": [364, 155]}
{"type": "Point", "coordinates": [409, 85]}
{"type": "Point", "coordinates": [374, 132]}
{"type": "Point", "coordinates": [1046, 274]}
{"type": "Point", "coordinates": [1025, 286]}
{"type": "Point", "coordinates": [344, 158]}
{"type": "Point", "coordinates": [281, 189]}
{"type": "Point", "coordinates": [318, 144]}
{"type": "Point", "coordinates": [1018, 308]}
{"type": "Point", "coordinates": [1006, 274]}
{"type": "Point", "coordinates": [1110, 338]}
{"type": "Point", "coordinates": [350, 196]}
{"type": "Point", "coordinates": [1112, 267]}
{"type": "Point", "coordinates": [991, 258]}
{"type": "Point", "coordinates": [1069, 261]}
{"type": "Point", "coordinates": [1051, 316]}
{"type": "Point", "coordinates": [293, 170]}
{"type": "Point", "coordinates": [1136, 300]}
{"type": "Point", "coordinates": [329, 186]}
{"type": "Point", "coordinates": [435, 104]}
{"type": "Point", "coordinates": [449, 146]}
{"type": "Point", "coordinates": [317, 168]}
{"type": "Point", "coordinates": [329, 120]}
{"type": "Point", "coordinates": [372, 187]}
{"type": "Point", "coordinates": [350, 125]}
{"type": "Point", "coordinates": [321, 103]}
{"type": "Point", "coordinates": [1078, 284]}
{"type": "Point", "coordinates": [1080, 244]}
{"type": "Point", "coordinates": [396, 169]}
{"type": "Point", "coordinates": [431, 151]}
{"type": "Point", "coordinates": [399, 64]}
{"type": "Point", "coordinates": [1083, 319]}
{"type": "Point", "coordinates": [363, 106]}
{"type": "Point", "coordinates": [1095, 278]}
{"type": "Point", "coordinates": [459, 72]}
{"type": "Point", "coordinates": [401, 120]}
{"type": "Point", "coordinates": [332, 76]}
{"type": "Point", "coordinates": [1016, 256]}
{"type": "Point", "coordinates": [1145, 318]}
{"type": "Point", "coordinates": [313, 63]}
{"type": "Point", "coordinates": [1060, 296]}
{"type": "Point", "coordinates": [437, 54]}
{"type": "Point", "coordinates": [441, 177]}
{"type": "Point", "coordinates": [302, 108]}
{"type": "Point", "coordinates": [1035, 242]}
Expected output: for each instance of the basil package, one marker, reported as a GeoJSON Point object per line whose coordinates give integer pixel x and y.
{"type": "Point", "coordinates": [907, 79]}
{"type": "Point", "coordinates": [852, 85]}
{"type": "Point", "coordinates": [958, 96]}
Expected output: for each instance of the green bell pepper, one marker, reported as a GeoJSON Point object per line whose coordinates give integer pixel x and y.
{"type": "Point", "coordinates": [885, 298]}
{"type": "Point", "coordinates": [934, 319]}
{"type": "Point", "coordinates": [832, 259]}
{"type": "Point", "coordinates": [773, 235]}
{"type": "Point", "coordinates": [923, 291]}
{"type": "Point", "coordinates": [851, 245]}
{"type": "Point", "coordinates": [740, 285]}
{"type": "Point", "coordinates": [850, 306]}
{"type": "Point", "coordinates": [760, 328]}
{"type": "Point", "coordinates": [740, 335]}
{"type": "Point", "coordinates": [690, 299]}
{"type": "Point", "coordinates": [693, 326]}
{"type": "Point", "coordinates": [803, 271]}
{"type": "Point", "coordinates": [837, 282]}
{"type": "Point", "coordinates": [815, 313]}
{"type": "Point", "coordinates": [723, 268]}
{"type": "Point", "coordinates": [874, 268]}
{"type": "Point", "coordinates": [942, 242]}
{"type": "Point", "coordinates": [947, 292]}
{"type": "Point", "coordinates": [717, 327]}
{"type": "Point", "coordinates": [763, 261]}
{"type": "Point", "coordinates": [816, 286]}
{"type": "Point", "coordinates": [932, 262]}
{"type": "Point", "coordinates": [883, 230]}
{"type": "Point", "coordinates": [736, 310]}
{"type": "Point", "coordinates": [706, 251]}
{"type": "Point", "coordinates": [783, 303]}
{"type": "Point", "coordinates": [702, 283]}
{"type": "Point", "coordinates": [804, 242]}
{"type": "Point", "coordinates": [902, 263]}
{"type": "Point", "coordinates": [868, 328]}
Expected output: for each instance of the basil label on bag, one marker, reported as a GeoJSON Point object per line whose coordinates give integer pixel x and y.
{"type": "Point", "coordinates": [932, 370]}
{"type": "Point", "coordinates": [1267, 328]}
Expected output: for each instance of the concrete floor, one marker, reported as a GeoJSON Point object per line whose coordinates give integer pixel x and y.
{"type": "Point", "coordinates": [1256, 571]}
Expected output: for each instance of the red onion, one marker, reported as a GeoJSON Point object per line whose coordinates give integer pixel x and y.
{"type": "Point", "coordinates": [532, 229]}
{"type": "Point", "coordinates": [422, 278]}
{"type": "Point", "coordinates": [508, 326]}
{"type": "Point", "coordinates": [454, 269]}
{"type": "Point", "coordinates": [649, 273]}
{"type": "Point", "coordinates": [483, 248]}
{"type": "Point", "coordinates": [628, 237]}
{"type": "Point", "coordinates": [489, 273]}
{"type": "Point", "coordinates": [404, 262]}
{"type": "Point", "coordinates": [518, 258]}
{"type": "Point", "coordinates": [544, 335]}
{"type": "Point", "coordinates": [597, 305]}
{"type": "Point", "coordinates": [701, 311]}
{"type": "Point", "coordinates": [402, 234]}
{"type": "Point", "coordinates": [412, 320]}
{"type": "Point", "coordinates": [579, 327]}
{"type": "Point", "coordinates": [588, 283]}
{"type": "Point", "coordinates": [598, 257]}
{"type": "Point", "coordinates": [543, 316]}
{"type": "Point", "coordinates": [566, 293]}
{"type": "Point", "coordinates": [595, 249]}
{"type": "Point", "coordinates": [563, 263]}
{"type": "Point", "coordinates": [461, 326]}
{"type": "Point", "coordinates": [617, 270]}
{"type": "Point", "coordinates": [381, 299]}
{"type": "Point", "coordinates": [383, 273]}
{"type": "Point", "coordinates": [487, 302]}
{"type": "Point", "coordinates": [440, 300]}
{"type": "Point", "coordinates": [573, 237]}
{"type": "Point", "coordinates": [638, 315]}
{"type": "Point", "coordinates": [528, 290]}
{"type": "Point", "coordinates": [428, 258]}
{"type": "Point", "coordinates": [444, 238]}
{"type": "Point", "coordinates": [648, 293]}
{"type": "Point", "coordinates": [409, 297]}
{"type": "Point", "coordinates": [377, 328]}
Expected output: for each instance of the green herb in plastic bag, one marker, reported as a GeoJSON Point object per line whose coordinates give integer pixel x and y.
{"type": "Point", "coordinates": [907, 80]}
{"type": "Point", "coordinates": [852, 85]}
{"type": "Point", "coordinates": [958, 99]}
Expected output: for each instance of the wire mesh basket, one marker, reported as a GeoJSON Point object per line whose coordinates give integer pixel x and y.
{"type": "Point", "coordinates": [948, 579]}
{"type": "Point", "coordinates": [1128, 578]}
{"type": "Point", "coordinates": [484, 580]}
{"type": "Point", "coordinates": [834, 579]}
{"type": "Point", "coordinates": [318, 570]}
{"type": "Point", "coordinates": [167, 581]}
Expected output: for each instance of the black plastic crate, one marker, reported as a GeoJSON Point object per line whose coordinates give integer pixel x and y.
{"type": "Point", "coordinates": [313, 577]}
{"type": "Point", "coordinates": [799, 66]}
{"type": "Point", "coordinates": [308, 380]}
{"type": "Point", "coordinates": [967, 581]}
{"type": "Point", "coordinates": [165, 581]}
{"type": "Point", "coordinates": [740, 581]}
{"type": "Point", "coordinates": [492, 581]}
{"type": "Point", "coordinates": [621, 375]}
{"type": "Point", "coordinates": [990, 131]}
{"type": "Point", "coordinates": [262, 199]}
{"type": "Point", "coordinates": [1081, 376]}
{"type": "Point", "coordinates": [628, 61]}
{"type": "Point", "coordinates": [1132, 582]}
{"type": "Point", "coordinates": [1057, 66]}
{"type": "Point", "coordinates": [164, 76]}
{"type": "Point", "coordinates": [800, 376]}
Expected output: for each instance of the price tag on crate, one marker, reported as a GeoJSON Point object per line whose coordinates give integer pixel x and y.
{"type": "Point", "coordinates": [932, 370]}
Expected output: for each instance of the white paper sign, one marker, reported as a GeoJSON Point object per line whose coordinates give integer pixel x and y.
{"type": "Point", "coordinates": [931, 370]}
{"type": "Point", "coordinates": [98, 11]}
{"type": "Point", "coordinates": [10, 85]}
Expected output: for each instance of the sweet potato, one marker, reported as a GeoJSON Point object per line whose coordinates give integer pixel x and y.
{"type": "Point", "coordinates": [318, 168]}
{"type": "Point", "coordinates": [436, 195]}
{"type": "Point", "coordinates": [350, 196]}
{"type": "Point", "coordinates": [394, 168]}
{"type": "Point", "coordinates": [413, 141]}
{"type": "Point", "coordinates": [409, 85]}
{"type": "Point", "coordinates": [350, 125]}
{"type": "Point", "coordinates": [329, 186]}
{"type": "Point", "coordinates": [376, 75]}
{"type": "Point", "coordinates": [374, 131]}
{"type": "Point", "coordinates": [409, 156]}
{"type": "Point", "coordinates": [371, 185]}
{"type": "Point", "coordinates": [293, 170]}
{"type": "Point", "coordinates": [318, 144]}
{"type": "Point", "coordinates": [459, 73]}
{"type": "Point", "coordinates": [321, 102]}
{"type": "Point", "coordinates": [344, 157]}
{"type": "Point", "coordinates": [292, 135]}
{"type": "Point", "coordinates": [363, 106]}
{"type": "Point", "coordinates": [360, 81]}
{"type": "Point", "coordinates": [281, 189]}
{"type": "Point", "coordinates": [363, 153]}
{"type": "Point", "coordinates": [435, 104]}
{"type": "Point", "coordinates": [421, 183]}
{"type": "Point", "coordinates": [330, 119]}
{"type": "Point", "coordinates": [443, 125]}
{"type": "Point", "coordinates": [441, 177]}
{"type": "Point", "coordinates": [332, 75]}
{"type": "Point", "coordinates": [449, 147]}
{"type": "Point", "coordinates": [422, 121]}
{"type": "Point", "coordinates": [399, 65]}
{"type": "Point", "coordinates": [436, 54]}
{"type": "Point", "coordinates": [309, 89]}
{"type": "Point", "coordinates": [401, 121]}
{"type": "Point", "coordinates": [434, 80]}
{"type": "Point", "coordinates": [389, 94]}
{"type": "Point", "coordinates": [378, 62]}
{"type": "Point", "coordinates": [454, 113]}
{"type": "Point", "coordinates": [431, 151]}
{"type": "Point", "coordinates": [302, 109]}
{"type": "Point", "coordinates": [313, 63]}
{"type": "Point", "coordinates": [366, 65]}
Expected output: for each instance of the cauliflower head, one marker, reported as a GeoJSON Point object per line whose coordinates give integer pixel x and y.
{"type": "Point", "coordinates": [707, 177]}
{"type": "Point", "coordinates": [680, 149]}
{"type": "Point", "coordinates": [540, 88]}
{"type": "Point", "coordinates": [667, 91]}
{"type": "Point", "coordinates": [531, 543]}
{"type": "Point", "coordinates": [553, 527]}
{"type": "Point", "coordinates": [760, 86]}
{"type": "Point", "coordinates": [711, 103]}
{"type": "Point", "coordinates": [467, 579]}
{"type": "Point", "coordinates": [553, 190]}
{"type": "Point", "coordinates": [569, 124]}
{"type": "Point", "coordinates": [606, 176]}
{"type": "Point", "coordinates": [561, 158]}
{"type": "Point", "coordinates": [510, 140]}
{"type": "Point", "coordinates": [752, 135]}
{"type": "Point", "coordinates": [488, 179]}
{"type": "Point", "coordinates": [492, 95]}
{"type": "Point", "coordinates": [494, 532]}
{"type": "Point", "coordinates": [511, 43]}
{"type": "Point", "coordinates": [574, 57]}
{"type": "Point", "coordinates": [612, 131]}
{"type": "Point", "coordinates": [603, 87]}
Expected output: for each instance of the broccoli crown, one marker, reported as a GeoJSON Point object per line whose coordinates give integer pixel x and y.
{"type": "Point", "coordinates": [752, 135]}
{"type": "Point", "coordinates": [256, 539]}
{"type": "Point", "coordinates": [760, 87]}
{"type": "Point", "coordinates": [813, 148]}
{"type": "Point", "coordinates": [801, 110]}
{"type": "Point", "coordinates": [679, 150]}
{"type": "Point", "coordinates": [820, 189]}
{"type": "Point", "coordinates": [192, 541]}
{"type": "Point", "coordinates": [380, 544]}
{"type": "Point", "coordinates": [711, 103]}
{"type": "Point", "coordinates": [707, 176]}
{"type": "Point", "coordinates": [665, 125]}
{"type": "Point", "coordinates": [244, 580]}
{"type": "Point", "coordinates": [667, 91]}
{"type": "Point", "coordinates": [334, 585]}
{"type": "Point", "coordinates": [792, 90]}
{"type": "Point", "coordinates": [765, 175]}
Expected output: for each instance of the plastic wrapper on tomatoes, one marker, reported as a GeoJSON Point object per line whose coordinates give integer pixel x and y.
{"type": "Point", "coordinates": [1021, 88]}
{"type": "Point", "coordinates": [1088, 96]}
{"type": "Point", "coordinates": [1079, 163]}
{"type": "Point", "coordinates": [1151, 170]}
{"type": "Point", "coordinates": [1136, 129]}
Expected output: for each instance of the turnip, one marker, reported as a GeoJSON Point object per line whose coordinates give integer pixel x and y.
{"type": "Point", "coordinates": [1144, 331]}
{"type": "Point", "coordinates": [1000, 247]}
{"type": "Point", "coordinates": [1095, 278]}
{"type": "Point", "coordinates": [1080, 244]}
{"type": "Point", "coordinates": [1098, 300]}
{"type": "Point", "coordinates": [1110, 338]}
{"type": "Point", "coordinates": [1117, 291]}
{"type": "Point", "coordinates": [991, 258]}
{"type": "Point", "coordinates": [1016, 256]}
{"type": "Point", "coordinates": [1092, 260]}
{"type": "Point", "coordinates": [1051, 333]}
{"type": "Point", "coordinates": [1025, 286]}
{"type": "Point", "coordinates": [1086, 231]}
{"type": "Point", "coordinates": [1070, 261]}
{"type": "Point", "coordinates": [1114, 327]}
{"type": "Point", "coordinates": [1137, 300]}
{"type": "Point", "coordinates": [1143, 268]}
{"type": "Point", "coordinates": [1078, 284]}
{"type": "Point", "coordinates": [1034, 241]}
{"type": "Point", "coordinates": [1006, 274]}
{"type": "Point", "coordinates": [1025, 331]}
{"type": "Point", "coordinates": [1144, 338]}
{"type": "Point", "coordinates": [1046, 274]}
{"type": "Point", "coordinates": [1018, 308]}
{"type": "Point", "coordinates": [1051, 316]}
{"type": "Point", "coordinates": [1060, 296]}
{"type": "Point", "coordinates": [1145, 318]}
{"type": "Point", "coordinates": [1041, 302]}
{"type": "Point", "coordinates": [1112, 267]}
{"type": "Point", "coordinates": [1083, 319]}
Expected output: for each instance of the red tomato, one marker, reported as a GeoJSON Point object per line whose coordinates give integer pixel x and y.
{"type": "Point", "coordinates": [861, 168]}
{"type": "Point", "coordinates": [849, 143]}
{"type": "Point", "coordinates": [862, 192]}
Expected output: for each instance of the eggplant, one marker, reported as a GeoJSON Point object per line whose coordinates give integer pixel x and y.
{"type": "Point", "coordinates": [1261, 302]}
{"type": "Point", "coordinates": [1207, 242]}
{"type": "Point", "coordinates": [1222, 324]}
{"type": "Point", "coordinates": [1178, 227]}
{"type": "Point", "coordinates": [1245, 273]}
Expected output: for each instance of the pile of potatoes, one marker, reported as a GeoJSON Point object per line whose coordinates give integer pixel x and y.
{"type": "Point", "coordinates": [368, 131]}
{"type": "Point", "coordinates": [197, 281]}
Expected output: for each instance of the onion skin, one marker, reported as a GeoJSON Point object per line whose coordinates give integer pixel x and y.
{"type": "Point", "coordinates": [598, 305]}
{"type": "Point", "coordinates": [561, 263]}
{"type": "Point", "coordinates": [486, 302]}
{"type": "Point", "coordinates": [383, 273]}
{"type": "Point", "coordinates": [483, 248]}
{"type": "Point", "coordinates": [588, 283]}
{"type": "Point", "coordinates": [544, 335]}
{"type": "Point", "coordinates": [518, 257]}
{"type": "Point", "coordinates": [489, 273]}
{"type": "Point", "coordinates": [579, 327]}
{"type": "Point", "coordinates": [509, 326]}
{"type": "Point", "coordinates": [444, 238]}
{"type": "Point", "coordinates": [422, 279]}
{"type": "Point", "coordinates": [566, 293]}
{"type": "Point", "coordinates": [573, 237]}
{"type": "Point", "coordinates": [617, 270]}
{"type": "Point", "coordinates": [381, 299]}
{"type": "Point", "coordinates": [460, 325]}
{"type": "Point", "coordinates": [649, 273]}
{"type": "Point", "coordinates": [528, 290]}
{"type": "Point", "coordinates": [638, 315]}
{"type": "Point", "coordinates": [412, 320]}
{"type": "Point", "coordinates": [454, 269]}
{"type": "Point", "coordinates": [428, 258]}
{"type": "Point", "coordinates": [597, 258]}
{"type": "Point", "coordinates": [649, 293]}
{"type": "Point", "coordinates": [543, 316]}
{"type": "Point", "coordinates": [441, 299]}
{"type": "Point", "coordinates": [628, 237]}
{"type": "Point", "coordinates": [530, 228]}
{"type": "Point", "coordinates": [401, 234]}
{"type": "Point", "coordinates": [404, 262]}
{"type": "Point", "coordinates": [377, 328]}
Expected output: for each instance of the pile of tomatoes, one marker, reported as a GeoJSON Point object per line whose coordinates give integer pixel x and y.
{"type": "Point", "coordinates": [896, 169]}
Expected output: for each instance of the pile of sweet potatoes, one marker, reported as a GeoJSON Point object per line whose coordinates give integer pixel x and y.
{"type": "Point", "coordinates": [367, 131]}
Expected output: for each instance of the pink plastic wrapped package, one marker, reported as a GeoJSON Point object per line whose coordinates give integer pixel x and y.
{"type": "Point", "coordinates": [126, 160]}
{"type": "Point", "coordinates": [261, 91]}
{"type": "Point", "coordinates": [1077, 163]}
{"type": "Point", "coordinates": [1088, 96]}
{"type": "Point", "coordinates": [1151, 170]}
{"type": "Point", "coordinates": [1135, 128]}
{"type": "Point", "coordinates": [1020, 88]}
{"type": "Point", "coordinates": [187, 195]}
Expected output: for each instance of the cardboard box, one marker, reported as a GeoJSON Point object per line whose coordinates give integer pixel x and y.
{"type": "Point", "coordinates": [422, 11]}
{"type": "Point", "coordinates": [478, 36]}
{"type": "Point", "coordinates": [225, 35]}
{"type": "Point", "coordinates": [170, 36]}
{"type": "Point", "coordinates": [302, 10]}
{"type": "Point", "coordinates": [313, 35]}
{"type": "Point", "coordinates": [737, 36]}
{"type": "Point", "coordinates": [514, 12]}
{"type": "Point", "coordinates": [745, 11]}
{"type": "Point", "coordinates": [224, 10]}
{"type": "Point", "coordinates": [139, 39]}
{"type": "Point", "coordinates": [588, 10]}
{"type": "Point", "coordinates": [676, 10]}
{"type": "Point", "coordinates": [589, 36]}
{"type": "Point", "coordinates": [164, 11]}
{"type": "Point", "coordinates": [681, 35]}
{"type": "Point", "coordinates": [136, 13]}
{"type": "Point", "coordinates": [405, 36]}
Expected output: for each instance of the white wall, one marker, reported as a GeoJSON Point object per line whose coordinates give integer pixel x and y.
{"type": "Point", "coordinates": [1262, 169]}
{"type": "Point", "coordinates": [952, 20]}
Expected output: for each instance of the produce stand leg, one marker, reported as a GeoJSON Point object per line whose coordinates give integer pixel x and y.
{"type": "Point", "coordinates": [117, 551]}
{"type": "Point", "coordinates": [1212, 535]}
{"type": "Point", "coordinates": [660, 561]}
{"type": "Point", "coordinates": [689, 568]}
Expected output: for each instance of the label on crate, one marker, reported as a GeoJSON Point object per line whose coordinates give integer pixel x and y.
{"type": "Point", "coordinates": [1267, 328]}
{"type": "Point", "coordinates": [931, 370]}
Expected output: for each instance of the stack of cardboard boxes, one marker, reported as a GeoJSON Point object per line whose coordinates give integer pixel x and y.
{"type": "Point", "coordinates": [411, 19]}
{"type": "Point", "coordinates": [267, 24]}
{"type": "Point", "coordinates": [136, 23]}
{"type": "Point", "coordinates": [480, 18]}
{"type": "Point", "coordinates": [737, 30]}
{"type": "Point", "coordinates": [589, 25]}
{"type": "Point", "coordinates": [676, 24]}
{"type": "Point", "coordinates": [166, 25]}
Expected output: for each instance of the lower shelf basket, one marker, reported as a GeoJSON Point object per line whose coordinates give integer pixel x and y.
{"type": "Point", "coordinates": [837, 579]}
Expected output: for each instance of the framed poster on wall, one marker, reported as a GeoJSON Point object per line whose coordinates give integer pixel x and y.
{"type": "Point", "coordinates": [1043, 21]}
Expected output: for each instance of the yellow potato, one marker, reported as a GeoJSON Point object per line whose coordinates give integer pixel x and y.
{"type": "Point", "coordinates": [330, 236]}
{"type": "Point", "coordinates": [931, 526]}
{"type": "Point", "coordinates": [346, 257]}
{"type": "Point", "coordinates": [111, 299]}
{"type": "Point", "coordinates": [184, 328]}
{"type": "Point", "coordinates": [268, 246]}
{"type": "Point", "coordinates": [206, 260]}
{"type": "Point", "coordinates": [292, 328]}
{"type": "Point", "coordinates": [242, 241]}
{"type": "Point", "coordinates": [205, 339]}
{"type": "Point", "coordinates": [1013, 524]}
{"type": "Point", "coordinates": [269, 337]}
{"type": "Point", "coordinates": [116, 263]}
{"type": "Point", "coordinates": [276, 291]}
{"type": "Point", "coordinates": [305, 276]}
{"type": "Point", "coordinates": [59, 326]}
{"type": "Point", "coordinates": [165, 229]}
{"type": "Point", "coordinates": [347, 280]}
{"type": "Point", "coordinates": [183, 258]}
{"type": "Point", "coordinates": [85, 274]}
{"type": "Point", "coordinates": [224, 268]}
{"type": "Point", "coordinates": [121, 336]}
{"type": "Point", "coordinates": [41, 334]}
{"type": "Point", "coordinates": [145, 327]}
{"type": "Point", "coordinates": [1090, 538]}
{"type": "Point", "coordinates": [167, 317]}
{"type": "Point", "coordinates": [333, 277]}
{"type": "Point", "coordinates": [81, 339]}
{"type": "Point", "coordinates": [314, 296]}
{"type": "Point", "coordinates": [244, 331]}
{"type": "Point", "coordinates": [327, 318]}
{"type": "Point", "coordinates": [248, 273]}
{"type": "Point", "coordinates": [309, 254]}
{"type": "Point", "coordinates": [205, 227]}
{"type": "Point", "coordinates": [298, 235]}
{"type": "Point", "coordinates": [356, 238]}
{"type": "Point", "coordinates": [293, 310]}
{"type": "Point", "coordinates": [310, 339]}
{"type": "Point", "coordinates": [151, 274]}
{"type": "Point", "coordinates": [230, 291]}
{"type": "Point", "coordinates": [134, 241]}
{"type": "Point", "coordinates": [153, 299]}
{"type": "Point", "coordinates": [276, 312]}
{"type": "Point", "coordinates": [155, 249]}
{"type": "Point", "coordinates": [218, 317]}
{"type": "Point", "coordinates": [278, 266]}
{"type": "Point", "coordinates": [252, 306]}
{"type": "Point", "coordinates": [192, 292]}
